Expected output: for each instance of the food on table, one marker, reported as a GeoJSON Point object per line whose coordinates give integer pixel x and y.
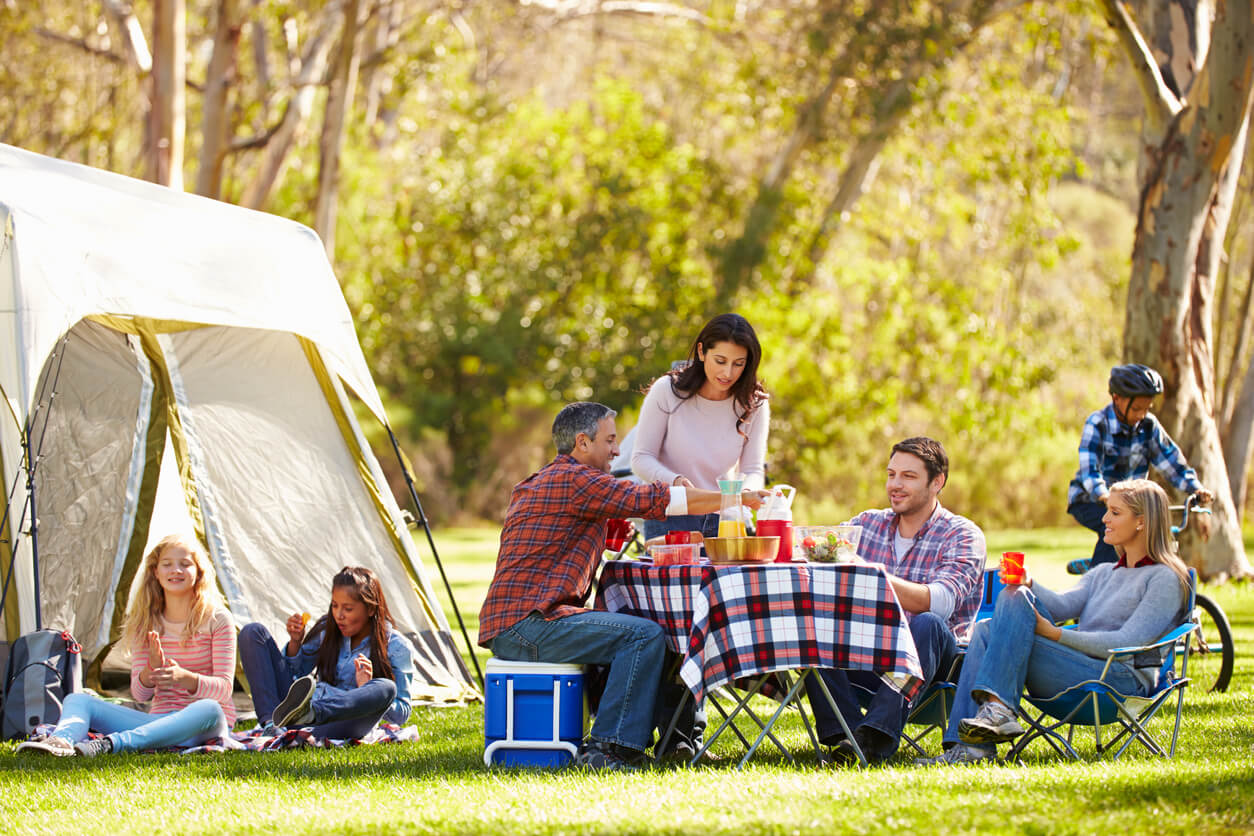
{"type": "Point", "coordinates": [830, 544]}
{"type": "Point", "coordinates": [675, 554]}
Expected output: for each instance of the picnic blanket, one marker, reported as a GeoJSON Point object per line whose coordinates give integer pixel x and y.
{"type": "Point", "coordinates": [272, 739]}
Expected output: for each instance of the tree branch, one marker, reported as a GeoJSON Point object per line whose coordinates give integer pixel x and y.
{"type": "Point", "coordinates": [1161, 105]}
{"type": "Point", "coordinates": [569, 10]}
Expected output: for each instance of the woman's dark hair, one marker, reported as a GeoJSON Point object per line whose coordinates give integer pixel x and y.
{"type": "Point", "coordinates": [364, 586]}
{"type": "Point", "coordinates": [687, 379]}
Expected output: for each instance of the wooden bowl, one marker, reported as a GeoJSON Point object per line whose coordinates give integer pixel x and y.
{"type": "Point", "coordinates": [741, 549]}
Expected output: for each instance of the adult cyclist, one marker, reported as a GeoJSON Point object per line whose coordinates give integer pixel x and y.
{"type": "Point", "coordinates": [1123, 441]}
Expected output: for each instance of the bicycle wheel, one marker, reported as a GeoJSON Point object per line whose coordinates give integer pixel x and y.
{"type": "Point", "coordinates": [1210, 649]}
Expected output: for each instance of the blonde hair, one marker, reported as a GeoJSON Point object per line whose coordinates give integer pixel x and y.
{"type": "Point", "coordinates": [149, 604]}
{"type": "Point", "coordinates": [1147, 500]}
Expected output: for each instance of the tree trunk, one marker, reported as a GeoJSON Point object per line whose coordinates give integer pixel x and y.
{"type": "Point", "coordinates": [339, 105]}
{"type": "Point", "coordinates": [313, 67]}
{"type": "Point", "coordinates": [218, 80]}
{"type": "Point", "coordinates": [384, 35]}
{"type": "Point", "coordinates": [167, 116]}
{"type": "Point", "coordinates": [1183, 213]}
{"type": "Point", "coordinates": [132, 34]}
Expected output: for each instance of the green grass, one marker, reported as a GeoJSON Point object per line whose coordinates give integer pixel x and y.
{"type": "Point", "coordinates": [439, 785]}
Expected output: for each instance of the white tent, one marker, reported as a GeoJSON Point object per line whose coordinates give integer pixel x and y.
{"type": "Point", "coordinates": [177, 363]}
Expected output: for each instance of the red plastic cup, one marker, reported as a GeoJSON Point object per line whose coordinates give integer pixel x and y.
{"type": "Point", "coordinates": [1012, 567]}
{"type": "Point", "coordinates": [781, 529]}
{"type": "Point", "coordinates": [616, 533]}
{"type": "Point", "coordinates": [678, 538]}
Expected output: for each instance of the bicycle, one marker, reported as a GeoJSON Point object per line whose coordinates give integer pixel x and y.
{"type": "Point", "coordinates": [1211, 652]}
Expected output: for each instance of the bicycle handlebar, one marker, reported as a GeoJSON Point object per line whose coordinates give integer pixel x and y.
{"type": "Point", "coordinates": [1191, 504]}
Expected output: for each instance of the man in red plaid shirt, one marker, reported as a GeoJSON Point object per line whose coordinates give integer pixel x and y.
{"type": "Point", "coordinates": [550, 548]}
{"type": "Point", "coordinates": [934, 560]}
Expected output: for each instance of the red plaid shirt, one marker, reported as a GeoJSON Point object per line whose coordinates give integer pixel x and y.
{"type": "Point", "coordinates": [552, 540]}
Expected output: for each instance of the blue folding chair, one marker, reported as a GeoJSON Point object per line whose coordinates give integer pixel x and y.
{"type": "Point", "coordinates": [932, 712]}
{"type": "Point", "coordinates": [992, 588]}
{"type": "Point", "coordinates": [1096, 703]}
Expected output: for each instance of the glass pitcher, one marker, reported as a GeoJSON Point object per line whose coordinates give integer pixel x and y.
{"type": "Point", "coordinates": [731, 519]}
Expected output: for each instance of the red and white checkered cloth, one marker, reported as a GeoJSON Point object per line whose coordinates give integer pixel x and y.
{"type": "Point", "coordinates": [731, 622]}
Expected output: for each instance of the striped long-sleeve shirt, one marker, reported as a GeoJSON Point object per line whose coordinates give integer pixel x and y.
{"type": "Point", "coordinates": [210, 654]}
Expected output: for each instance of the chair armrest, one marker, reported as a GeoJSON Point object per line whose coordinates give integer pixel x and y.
{"type": "Point", "coordinates": [1172, 637]}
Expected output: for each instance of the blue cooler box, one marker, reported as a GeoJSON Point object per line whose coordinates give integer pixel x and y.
{"type": "Point", "coordinates": [533, 713]}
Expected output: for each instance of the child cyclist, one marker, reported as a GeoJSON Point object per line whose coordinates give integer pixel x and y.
{"type": "Point", "coordinates": [182, 659]}
{"type": "Point", "coordinates": [351, 670]}
{"type": "Point", "coordinates": [1123, 441]}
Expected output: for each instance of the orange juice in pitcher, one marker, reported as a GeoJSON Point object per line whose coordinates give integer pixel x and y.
{"type": "Point", "coordinates": [731, 518]}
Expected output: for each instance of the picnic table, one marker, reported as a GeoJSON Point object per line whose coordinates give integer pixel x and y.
{"type": "Point", "coordinates": [740, 623]}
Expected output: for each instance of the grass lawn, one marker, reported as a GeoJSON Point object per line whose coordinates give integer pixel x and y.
{"type": "Point", "coordinates": [439, 785]}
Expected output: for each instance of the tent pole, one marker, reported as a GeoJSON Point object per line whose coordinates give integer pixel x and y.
{"type": "Point", "coordinates": [34, 524]}
{"type": "Point", "coordinates": [413, 494]}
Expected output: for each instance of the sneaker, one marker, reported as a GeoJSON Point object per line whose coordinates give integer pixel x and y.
{"type": "Point", "coordinates": [51, 745]}
{"type": "Point", "coordinates": [296, 709]}
{"type": "Point", "coordinates": [601, 755]}
{"type": "Point", "coordinates": [1078, 567]}
{"type": "Point", "coordinates": [994, 723]}
{"type": "Point", "coordinates": [960, 754]}
{"type": "Point", "coordinates": [91, 748]}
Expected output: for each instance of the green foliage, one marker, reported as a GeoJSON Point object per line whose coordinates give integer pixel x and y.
{"type": "Point", "coordinates": [535, 250]}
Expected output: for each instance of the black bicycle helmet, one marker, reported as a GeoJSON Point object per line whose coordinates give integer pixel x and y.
{"type": "Point", "coordinates": [1135, 381]}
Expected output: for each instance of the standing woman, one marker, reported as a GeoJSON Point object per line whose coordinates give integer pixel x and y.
{"type": "Point", "coordinates": [705, 420]}
{"type": "Point", "coordinates": [1125, 604]}
{"type": "Point", "coordinates": [182, 645]}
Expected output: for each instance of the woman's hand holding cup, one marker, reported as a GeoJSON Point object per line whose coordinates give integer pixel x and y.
{"type": "Point", "coordinates": [1013, 572]}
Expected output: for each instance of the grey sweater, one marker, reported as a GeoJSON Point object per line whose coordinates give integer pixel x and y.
{"type": "Point", "coordinates": [1123, 607]}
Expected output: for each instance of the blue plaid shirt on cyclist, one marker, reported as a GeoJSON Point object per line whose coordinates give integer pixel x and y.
{"type": "Point", "coordinates": [1111, 452]}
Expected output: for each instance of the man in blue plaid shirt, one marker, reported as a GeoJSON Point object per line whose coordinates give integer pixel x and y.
{"type": "Point", "coordinates": [1123, 441]}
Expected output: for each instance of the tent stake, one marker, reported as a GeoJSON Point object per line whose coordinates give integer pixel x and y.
{"type": "Point", "coordinates": [413, 495]}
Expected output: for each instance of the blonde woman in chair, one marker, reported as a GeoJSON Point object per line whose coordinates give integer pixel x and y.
{"type": "Point", "coordinates": [1124, 604]}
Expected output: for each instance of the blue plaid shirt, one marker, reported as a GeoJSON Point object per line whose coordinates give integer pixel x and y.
{"type": "Point", "coordinates": [1111, 452]}
{"type": "Point", "coordinates": [948, 550]}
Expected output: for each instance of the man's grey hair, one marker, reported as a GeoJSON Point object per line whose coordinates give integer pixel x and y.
{"type": "Point", "coordinates": [575, 418]}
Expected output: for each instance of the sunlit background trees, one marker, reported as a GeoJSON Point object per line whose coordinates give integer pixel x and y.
{"type": "Point", "coordinates": [928, 210]}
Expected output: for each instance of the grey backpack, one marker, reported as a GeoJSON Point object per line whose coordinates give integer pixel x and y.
{"type": "Point", "coordinates": [43, 667]}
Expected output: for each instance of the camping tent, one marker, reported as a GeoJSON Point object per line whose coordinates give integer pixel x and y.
{"type": "Point", "coordinates": [177, 363]}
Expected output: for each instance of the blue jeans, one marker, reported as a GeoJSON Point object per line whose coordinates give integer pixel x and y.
{"type": "Point", "coordinates": [339, 713]}
{"type": "Point", "coordinates": [633, 648]}
{"type": "Point", "coordinates": [886, 709]}
{"type": "Point", "coordinates": [132, 730]}
{"type": "Point", "coordinates": [691, 723]}
{"type": "Point", "coordinates": [1005, 656]}
{"type": "Point", "coordinates": [1089, 515]}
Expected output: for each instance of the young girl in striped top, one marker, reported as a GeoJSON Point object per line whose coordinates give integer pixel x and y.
{"type": "Point", "coordinates": [183, 660]}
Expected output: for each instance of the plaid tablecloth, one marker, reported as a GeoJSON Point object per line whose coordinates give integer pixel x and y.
{"type": "Point", "coordinates": [731, 622]}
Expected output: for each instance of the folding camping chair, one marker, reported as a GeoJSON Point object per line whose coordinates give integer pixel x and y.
{"type": "Point", "coordinates": [1096, 703]}
{"type": "Point", "coordinates": [932, 712]}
